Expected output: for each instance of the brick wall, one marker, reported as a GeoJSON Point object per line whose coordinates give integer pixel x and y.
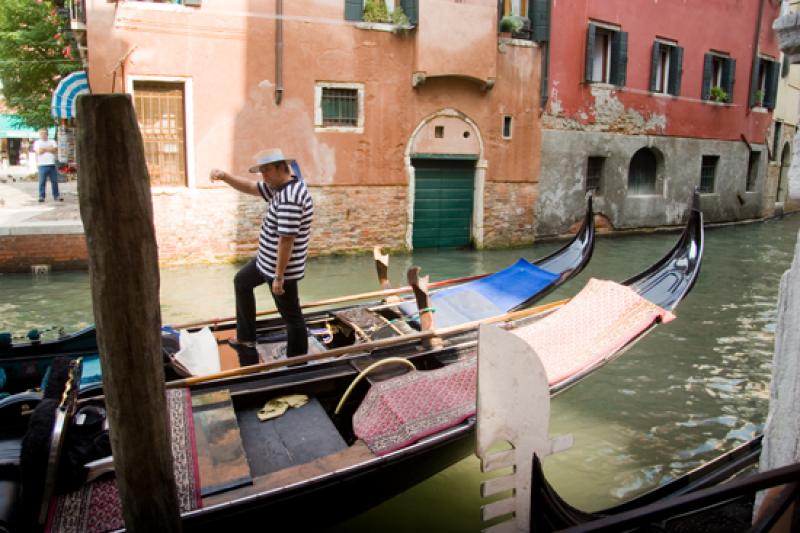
{"type": "Point", "coordinates": [508, 213]}
{"type": "Point", "coordinates": [214, 225]}
{"type": "Point", "coordinates": [221, 225]}
{"type": "Point", "coordinates": [61, 252]}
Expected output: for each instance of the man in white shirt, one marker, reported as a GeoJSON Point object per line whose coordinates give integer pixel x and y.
{"type": "Point", "coordinates": [46, 151]}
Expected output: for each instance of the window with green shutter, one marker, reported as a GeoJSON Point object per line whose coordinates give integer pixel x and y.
{"type": "Point", "coordinates": [764, 90]}
{"type": "Point", "coordinates": [606, 55]}
{"type": "Point", "coordinates": [719, 74]}
{"type": "Point", "coordinates": [666, 68]}
{"type": "Point", "coordinates": [539, 13]}
{"type": "Point", "coordinates": [354, 9]}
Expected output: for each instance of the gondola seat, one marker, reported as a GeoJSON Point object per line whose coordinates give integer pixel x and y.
{"type": "Point", "coordinates": [402, 410]}
{"type": "Point", "coordinates": [493, 295]}
{"type": "Point", "coordinates": [10, 451]}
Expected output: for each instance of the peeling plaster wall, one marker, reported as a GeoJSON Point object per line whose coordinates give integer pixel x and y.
{"type": "Point", "coordinates": [562, 182]}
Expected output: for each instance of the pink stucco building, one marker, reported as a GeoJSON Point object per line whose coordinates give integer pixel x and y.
{"type": "Point", "coordinates": [413, 134]}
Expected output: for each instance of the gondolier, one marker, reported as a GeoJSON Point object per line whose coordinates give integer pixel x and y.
{"type": "Point", "coordinates": [282, 251]}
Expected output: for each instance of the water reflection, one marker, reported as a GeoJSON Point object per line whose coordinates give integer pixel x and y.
{"type": "Point", "coordinates": [688, 391]}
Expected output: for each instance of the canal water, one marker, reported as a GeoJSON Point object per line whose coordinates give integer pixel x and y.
{"type": "Point", "coordinates": [689, 391]}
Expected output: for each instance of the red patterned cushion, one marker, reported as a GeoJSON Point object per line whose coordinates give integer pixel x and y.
{"type": "Point", "coordinates": [400, 411]}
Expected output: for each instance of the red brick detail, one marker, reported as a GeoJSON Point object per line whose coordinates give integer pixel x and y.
{"type": "Point", "coordinates": [509, 213]}
{"type": "Point", "coordinates": [62, 252]}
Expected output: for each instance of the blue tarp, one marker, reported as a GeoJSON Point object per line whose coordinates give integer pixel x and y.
{"type": "Point", "coordinates": [493, 295]}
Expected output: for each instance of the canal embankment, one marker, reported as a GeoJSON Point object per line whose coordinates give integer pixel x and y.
{"type": "Point", "coordinates": [32, 233]}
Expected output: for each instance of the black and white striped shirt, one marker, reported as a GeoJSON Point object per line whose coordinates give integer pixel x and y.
{"type": "Point", "coordinates": [289, 212]}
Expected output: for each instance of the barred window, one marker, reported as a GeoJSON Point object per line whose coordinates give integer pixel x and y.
{"type": "Point", "coordinates": [708, 172]}
{"type": "Point", "coordinates": [339, 107]}
{"type": "Point", "coordinates": [594, 174]}
{"type": "Point", "coordinates": [752, 171]}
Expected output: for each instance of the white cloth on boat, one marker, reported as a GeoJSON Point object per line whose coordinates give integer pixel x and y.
{"type": "Point", "coordinates": [199, 352]}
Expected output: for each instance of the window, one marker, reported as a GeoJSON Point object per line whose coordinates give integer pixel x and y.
{"type": "Point", "coordinates": [752, 171]}
{"type": "Point", "coordinates": [765, 83]}
{"type": "Point", "coordinates": [160, 112]}
{"type": "Point", "coordinates": [355, 10]}
{"type": "Point", "coordinates": [438, 132]}
{"type": "Point", "coordinates": [642, 172]}
{"type": "Point", "coordinates": [606, 55]}
{"type": "Point", "coordinates": [507, 127]}
{"type": "Point", "coordinates": [718, 75]}
{"type": "Point", "coordinates": [777, 130]}
{"type": "Point", "coordinates": [708, 173]}
{"type": "Point", "coordinates": [594, 174]}
{"type": "Point", "coordinates": [339, 106]}
{"type": "Point", "coordinates": [514, 7]}
{"type": "Point", "coordinates": [666, 68]}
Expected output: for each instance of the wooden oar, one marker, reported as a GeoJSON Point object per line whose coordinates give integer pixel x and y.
{"type": "Point", "coordinates": [369, 346]}
{"type": "Point", "coordinates": [338, 300]}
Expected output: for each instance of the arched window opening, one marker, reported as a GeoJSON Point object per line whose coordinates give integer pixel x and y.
{"type": "Point", "coordinates": [642, 172]}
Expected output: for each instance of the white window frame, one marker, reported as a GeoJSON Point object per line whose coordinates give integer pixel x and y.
{"type": "Point", "coordinates": [188, 114]}
{"type": "Point", "coordinates": [359, 87]}
{"type": "Point", "coordinates": [601, 62]}
{"type": "Point", "coordinates": [663, 66]}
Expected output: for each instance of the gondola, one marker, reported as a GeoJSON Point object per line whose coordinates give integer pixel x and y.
{"type": "Point", "coordinates": [550, 512]}
{"type": "Point", "coordinates": [717, 496]}
{"type": "Point", "coordinates": [25, 363]}
{"type": "Point", "coordinates": [330, 458]}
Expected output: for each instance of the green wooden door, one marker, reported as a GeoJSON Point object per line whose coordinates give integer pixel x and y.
{"type": "Point", "coordinates": [443, 199]}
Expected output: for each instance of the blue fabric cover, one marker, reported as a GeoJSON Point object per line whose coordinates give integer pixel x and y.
{"type": "Point", "coordinates": [490, 296]}
{"type": "Point", "coordinates": [91, 370]}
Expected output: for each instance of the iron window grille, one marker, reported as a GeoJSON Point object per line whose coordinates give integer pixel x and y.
{"type": "Point", "coordinates": [708, 172]}
{"type": "Point", "coordinates": [339, 107]}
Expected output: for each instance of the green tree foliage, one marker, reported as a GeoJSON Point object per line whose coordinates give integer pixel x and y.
{"type": "Point", "coordinates": [34, 55]}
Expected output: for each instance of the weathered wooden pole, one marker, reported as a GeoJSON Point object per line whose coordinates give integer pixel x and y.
{"type": "Point", "coordinates": [117, 213]}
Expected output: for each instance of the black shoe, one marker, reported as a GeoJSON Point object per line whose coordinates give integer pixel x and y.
{"type": "Point", "coordinates": [41, 200]}
{"type": "Point", "coordinates": [60, 199]}
{"type": "Point", "coordinates": [248, 355]}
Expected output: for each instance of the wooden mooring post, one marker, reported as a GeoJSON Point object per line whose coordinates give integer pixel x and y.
{"type": "Point", "coordinates": [117, 213]}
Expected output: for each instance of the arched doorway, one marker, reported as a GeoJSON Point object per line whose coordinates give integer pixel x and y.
{"type": "Point", "coordinates": [786, 159]}
{"type": "Point", "coordinates": [446, 182]}
{"type": "Point", "coordinates": [642, 172]}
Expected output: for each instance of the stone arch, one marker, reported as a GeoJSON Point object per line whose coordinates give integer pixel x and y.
{"type": "Point", "coordinates": [783, 172]}
{"type": "Point", "coordinates": [447, 133]}
{"type": "Point", "coordinates": [644, 171]}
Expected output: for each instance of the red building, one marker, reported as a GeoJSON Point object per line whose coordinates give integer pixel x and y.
{"type": "Point", "coordinates": [647, 100]}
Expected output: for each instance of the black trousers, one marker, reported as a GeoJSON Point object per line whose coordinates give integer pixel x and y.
{"type": "Point", "coordinates": [288, 304]}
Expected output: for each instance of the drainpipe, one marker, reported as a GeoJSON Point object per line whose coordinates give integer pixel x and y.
{"type": "Point", "coordinates": [279, 51]}
{"type": "Point", "coordinates": [544, 74]}
{"type": "Point", "coordinates": [754, 69]}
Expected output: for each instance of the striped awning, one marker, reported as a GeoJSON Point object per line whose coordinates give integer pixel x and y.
{"type": "Point", "coordinates": [65, 95]}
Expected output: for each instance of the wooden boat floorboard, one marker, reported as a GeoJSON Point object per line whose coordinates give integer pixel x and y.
{"type": "Point", "coordinates": [353, 455]}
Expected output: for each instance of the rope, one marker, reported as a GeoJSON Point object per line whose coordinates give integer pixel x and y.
{"type": "Point", "coordinates": [409, 318]}
{"type": "Point", "coordinates": [36, 334]}
{"type": "Point", "coordinates": [366, 371]}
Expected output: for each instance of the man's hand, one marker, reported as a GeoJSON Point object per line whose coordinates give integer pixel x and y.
{"type": "Point", "coordinates": [277, 286]}
{"type": "Point", "coordinates": [217, 174]}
